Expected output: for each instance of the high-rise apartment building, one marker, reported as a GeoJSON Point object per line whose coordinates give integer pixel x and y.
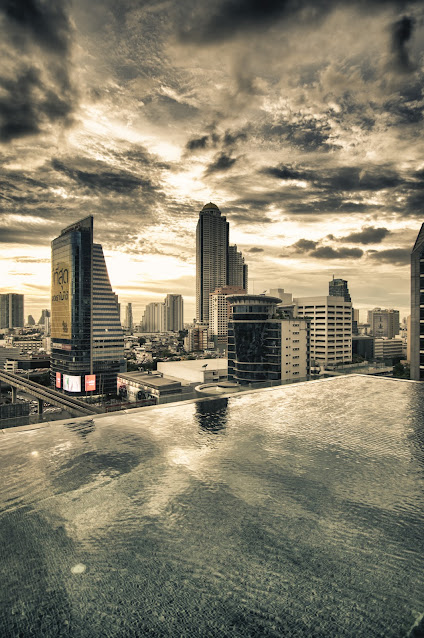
{"type": "Point", "coordinates": [174, 312]}
{"type": "Point", "coordinates": [416, 332]}
{"type": "Point", "coordinates": [384, 323]}
{"type": "Point", "coordinates": [129, 324]}
{"type": "Point", "coordinates": [331, 328]}
{"type": "Point", "coordinates": [217, 263]}
{"type": "Point", "coordinates": [154, 319]}
{"type": "Point", "coordinates": [44, 313]}
{"type": "Point", "coordinates": [265, 343]}
{"type": "Point", "coordinates": [87, 339]}
{"type": "Point", "coordinates": [237, 269]}
{"type": "Point", "coordinates": [339, 288]}
{"type": "Point", "coordinates": [211, 257]}
{"type": "Point", "coordinates": [197, 338]}
{"type": "Point", "coordinates": [219, 314]}
{"type": "Point", "coordinates": [11, 310]}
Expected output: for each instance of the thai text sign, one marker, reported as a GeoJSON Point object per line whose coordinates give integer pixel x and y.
{"type": "Point", "coordinates": [61, 300]}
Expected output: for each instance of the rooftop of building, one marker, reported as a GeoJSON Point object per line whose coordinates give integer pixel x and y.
{"type": "Point", "coordinates": [288, 511]}
{"type": "Point", "coordinates": [152, 380]}
{"type": "Point", "coordinates": [210, 206]}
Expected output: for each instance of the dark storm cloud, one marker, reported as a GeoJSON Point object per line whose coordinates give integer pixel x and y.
{"type": "Point", "coordinates": [221, 22]}
{"type": "Point", "coordinates": [285, 173]}
{"type": "Point", "coordinates": [196, 143]}
{"type": "Point", "coordinates": [36, 88]}
{"type": "Point", "coordinates": [222, 162]}
{"type": "Point", "coordinates": [399, 256]}
{"type": "Point", "coordinates": [327, 252]}
{"type": "Point", "coordinates": [306, 134]}
{"type": "Point", "coordinates": [401, 34]}
{"type": "Point", "coordinates": [254, 249]}
{"type": "Point", "coordinates": [305, 245]}
{"type": "Point", "coordinates": [119, 182]}
{"type": "Point", "coordinates": [368, 235]}
{"type": "Point", "coordinates": [30, 234]}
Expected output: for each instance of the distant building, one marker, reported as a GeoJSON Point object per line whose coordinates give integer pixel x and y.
{"type": "Point", "coordinates": [388, 348]}
{"type": "Point", "coordinates": [219, 314]}
{"type": "Point", "coordinates": [129, 324]}
{"type": "Point", "coordinates": [11, 310]}
{"type": "Point", "coordinates": [31, 321]}
{"type": "Point", "coordinates": [331, 328]}
{"type": "Point", "coordinates": [174, 313]}
{"type": "Point", "coordinates": [44, 313]}
{"type": "Point", "coordinates": [237, 269]}
{"type": "Point", "coordinates": [384, 323]}
{"type": "Point", "coordinates": [339, 288]}
{"type": "Point", "coordinates": [363, 346]}
{"type": "Point", "coordinates": [197, 338]}
{"type": "Point", "coordinates": [154, 319]}
{"type": "Point", "coordinates": [87, 340]}
{"type": "Point", "coordinates": [195, 371]}
{"type": "Point", "coordinates": [264, 343]}
{"type": "Point", "coordinates": [217, 263]}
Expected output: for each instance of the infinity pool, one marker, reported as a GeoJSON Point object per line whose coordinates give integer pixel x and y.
{"type": "Point", "coordinates": [291, 511]}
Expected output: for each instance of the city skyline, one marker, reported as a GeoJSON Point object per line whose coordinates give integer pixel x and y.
{"type": "Point", "coordinates": [301, 123]}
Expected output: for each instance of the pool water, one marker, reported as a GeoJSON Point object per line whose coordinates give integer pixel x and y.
{"type": "Point", "coordinates": [291, 511]}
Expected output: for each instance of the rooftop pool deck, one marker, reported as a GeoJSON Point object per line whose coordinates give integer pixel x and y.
{"type": "Point", "coordinates": [294, 511]}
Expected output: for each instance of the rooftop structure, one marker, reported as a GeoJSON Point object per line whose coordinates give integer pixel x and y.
{"type": "Point", "coordinates": [290, 511]}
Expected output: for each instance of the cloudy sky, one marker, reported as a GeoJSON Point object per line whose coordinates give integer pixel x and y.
{"type": "Point", "coordinates": [302, 120]}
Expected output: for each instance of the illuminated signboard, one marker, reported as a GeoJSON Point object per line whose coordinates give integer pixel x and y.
{"type": "Point", "coordinates": [71, 384]}
{"type": "Point", "coordinates": [58, 379]}
{"type": "Point", "coordinates": [90, 382]}
{"type": "Point", "coordinates": [61, 299]}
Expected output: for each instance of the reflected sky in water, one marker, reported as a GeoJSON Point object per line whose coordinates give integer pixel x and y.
{"type": "Point", "coordinates": [293, 511]}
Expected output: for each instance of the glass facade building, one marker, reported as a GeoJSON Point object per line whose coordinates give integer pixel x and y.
{"type": "Point", "coordinates": [87, 338]}
{"type": "Point", "coordinates": [262, 344]}
{"type": "Point", "coordinates": [416, 337]}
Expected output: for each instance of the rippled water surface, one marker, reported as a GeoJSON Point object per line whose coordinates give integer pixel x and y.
{"type": "Point", "coordinates": [293, 511]}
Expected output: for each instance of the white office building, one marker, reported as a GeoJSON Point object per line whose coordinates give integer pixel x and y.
{"type": "Point", "coordinates": [330, 328]}
{"type": "Point", "coordinates": [154, 318]}
{"type": "Point", "coordinates": [174, 313]}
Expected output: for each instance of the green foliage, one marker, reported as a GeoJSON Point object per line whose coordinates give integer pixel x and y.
{"type": "Point", "coordinates": [401, 371]}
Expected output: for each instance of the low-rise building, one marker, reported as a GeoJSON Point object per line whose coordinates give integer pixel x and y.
{"type": "Point", "coordinates": [138, 386]}
{"type": "Point", "coordinates": [388, 348]}
{"type": "Point", "coordinates": [196, 370]}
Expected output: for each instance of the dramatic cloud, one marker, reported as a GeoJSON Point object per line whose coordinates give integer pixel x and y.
{"type": "Point", "coordinates": [401, 34]}
{"type": "Point", "coordinates": [104, 180]}
{"type": "Point", "coordinates": [327, 252]}
{"type": "Point", "coordinates": [304, 245]}
{"type": "Point", "coordinates": [254, 249]}
{"type": "Point", "coordinates": [35, 80]}
{"type": "Point", "coordinates": [368, 235]}
{"type": "Point", "coordinates": [222, 162]}
{"type": "Point", "coordinates": [399, 256]}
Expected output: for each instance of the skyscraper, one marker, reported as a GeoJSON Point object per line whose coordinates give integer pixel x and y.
{"type": "Point", "coordinates": [211, 257]}
{"type": "Point", "coordinates": [416, 335]}
{"type": "Point", "coordinates": [87, 339]}
{"type": "Point", "coordinates": [154, 317]}
{"type": "Point", "coordinates": [174, 313]}
{"type": "Point", "coordinates": [338, 288]}
{"type": "Point", "coordinates": [11, 310]}
{"type": "Point", "coordinates": [129, 324]}
{"type": "Point", "coordinates": [217, 263]}
{"type": "Point", "coordinates": [237, 269]}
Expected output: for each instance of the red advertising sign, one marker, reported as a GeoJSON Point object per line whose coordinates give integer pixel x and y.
{"type": "Point", "coordinates": [90, 382]}
{"type": "Point", "coordinates": [58, 380]}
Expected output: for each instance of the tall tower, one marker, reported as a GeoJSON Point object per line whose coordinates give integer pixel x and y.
{"type": "Point", "coordinates": [211, 257]}
{"type": "Point", "coordinates": [237, 269]}
{"type": "Point", "coordinates": [416, 334]}
{"type": "Point", "coordinates": [129, 324]}
{"type": "Point", "coordinates": [11, 310]}
{"type": "Point", "coordinates": [174, 313]}
{"type": "Point", "coordinates": [87, 338]}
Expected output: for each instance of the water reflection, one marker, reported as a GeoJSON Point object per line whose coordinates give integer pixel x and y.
{"type": "Point", "coordinates": [211, 414]}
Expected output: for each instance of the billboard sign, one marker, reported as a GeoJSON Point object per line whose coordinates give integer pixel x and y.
{"type": "Point", "coordinates": [61, 299]}
{"type": "Point", "coordinates": [58, 380]}
{"type": "Point", "coordinates": [90, 382]}
{"type": "Point", "coordinates": [71, 384]}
